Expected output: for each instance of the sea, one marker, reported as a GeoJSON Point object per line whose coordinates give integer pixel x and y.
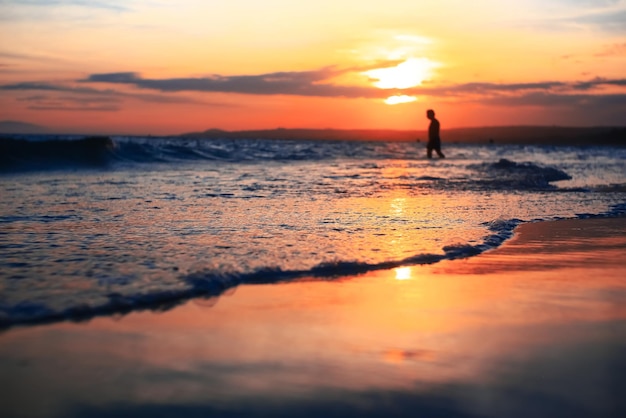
{"type": "Point", "coordinates": [93, 226]}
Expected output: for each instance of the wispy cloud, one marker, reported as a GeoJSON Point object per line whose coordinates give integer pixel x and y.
{"type": "Point", "coordinates": [316, 83]}
{"type": "Point", "coordinates": [19, 63]}
{"type": "Point", "coordinates": [83, 100]}
{"type": "Point", "coordinates": [607, 16]}
{"type": "Point", "coordinates": [17, 11]}
{"type": "Point", "coordinates": [114, 5]}
{"type": "Point", "coordinates": [66, 102]}
{"type": "Point", "coordinates": [585, 3]}
{"type": "Point", "coordinates": [72, 103]}
{"type": "Point", "coordinates": [21, 56]}
{"type": "Point", "coordinates": [607, 20]}
{"type": "Point", "coordinates": [47, 86]}
{"type": "Point", "coordinates": [298, 83]}
{"type": "Point", "coordinates": [587, 96]}
{"type": "Point", "coordinates": [614, 50]}
{"type": "Point", "coordinates": [61, 96]}
{"type": "Point", "coordinates": [487, 89]}
{"type": "Point", "coordinates": [542, 99]}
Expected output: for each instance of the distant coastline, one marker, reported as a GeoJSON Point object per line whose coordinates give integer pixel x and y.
{"type": "Point", "coordinates": [555, 135]}
{"type": "Point", "coordinates": [545, 135]}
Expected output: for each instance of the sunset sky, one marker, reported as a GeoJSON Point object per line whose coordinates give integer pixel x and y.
{"type": "Point", "coordinates": [168, 67]}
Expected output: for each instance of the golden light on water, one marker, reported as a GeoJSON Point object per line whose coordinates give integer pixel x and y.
{"type": "Point", "coordinates": [403, 273]}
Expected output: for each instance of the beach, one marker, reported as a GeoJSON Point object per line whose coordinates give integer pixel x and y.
{"type": "Point", "coordinates": [536, 327]}
{"type": "Point", "coordinates": [323, 209]}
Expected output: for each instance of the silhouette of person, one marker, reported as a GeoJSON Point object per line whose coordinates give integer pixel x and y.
{"type": "Point", "coordinates": [434, 141]}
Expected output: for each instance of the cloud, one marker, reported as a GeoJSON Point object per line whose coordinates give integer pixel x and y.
{"type": "Point", "coordinates": [614, 50]}
{"type": "Point", "coordinates": [587, 3]}
{"type": "Point", "coordinates": [596, 91]}
{"type": "Point", "coordinates": [12, 11]}
{"type": "Point", "coordinates": [65, 108]}
{"type": "Point", "coordinates": [610, 20]}
{"type": "Point", "coordinates": [113, 5]}
{"type": "Point", "coordinates": [486, 89]}
{"type": "Point", "coordinates": [607, 16]}
{"type": "Point", "coordinates": [18, 59]}
{"type": "Point", "coordinates": [315, 83]}
{"type": "Point", "coordinates": [83, 100]}
{"type": "Point", "coordinates": [45, 86]}
{"type": "Point", "coordinates": [72, 103]}
{"type": "Point", "coordinates": [103, 95]}
{"type": "Point", "coordinates": [542, 99]}
{"type": "Point", "coordinates": [298, 83]}
{"type": "Point", "coordinates": [597, 82]}
{"type": "Point", "coordinates": [11, 55]}
{"type": "Point", "coordinates": [12, 63]}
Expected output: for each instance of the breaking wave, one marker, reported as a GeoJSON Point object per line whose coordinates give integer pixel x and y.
{"type": "Point", "coordinates": [23, 154]}
{"type": "Point", "coordinates": [210, 283]}
{"type": "Point", "coordinates": [506, 174]}
{"type": "Point", "coordinates": [96, 152]}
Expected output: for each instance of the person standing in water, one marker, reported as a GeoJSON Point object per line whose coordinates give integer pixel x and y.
{"type": "Point", "coordinates": [434, 141]}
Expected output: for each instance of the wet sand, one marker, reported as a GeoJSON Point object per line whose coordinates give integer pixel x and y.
{"type": "Point", "coordinates": [535, 328]}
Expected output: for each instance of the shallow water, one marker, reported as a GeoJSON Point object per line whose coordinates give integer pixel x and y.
{"type": "Point", "coordinates": [154, 221]}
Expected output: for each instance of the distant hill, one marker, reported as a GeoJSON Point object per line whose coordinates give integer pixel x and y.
{"type": "Point", "coordinates": [324, 134]}
{"type": "Point", "coordinates": [503, 135]}
{"type": "Point", "coordinates": [17, 127]}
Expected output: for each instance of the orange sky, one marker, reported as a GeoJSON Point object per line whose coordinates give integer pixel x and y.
{"type": "Point", "coordinates": [146, 67]}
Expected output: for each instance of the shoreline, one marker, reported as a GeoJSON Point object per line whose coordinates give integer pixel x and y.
{"type": "Point", "coordinates": [164, 301]}
{"type": "Point", "coordinates": [533, 327]}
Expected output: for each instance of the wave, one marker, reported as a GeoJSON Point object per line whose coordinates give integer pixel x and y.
{"type": "Point", "coordinates": [32, 154]}
{"type": "Point", "coordinates": [23, 154]}
{"type": "Point", "coordinates": [506, 174]}
{"type": "Point", "coordinates": [27, 154]}
{"type": "Point", "coordinates": [211, 284]}
{"type": "Point", "coordinates": [503, 175]}
{"type": "Point", "coordinates": [40, 153]}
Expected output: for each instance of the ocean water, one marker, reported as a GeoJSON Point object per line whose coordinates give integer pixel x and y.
{"type": "Point", "coordinates": [95, 226]}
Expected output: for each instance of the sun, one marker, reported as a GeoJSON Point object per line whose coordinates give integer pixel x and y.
{"type": "Point", "coordinates": [409, 65]}
{"type": "Point", "coordinates": [403, 273]}
{"type": "Point", "coordinates": [398, 99]}
{"type": "Point", "coordinates": [409, 73]}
